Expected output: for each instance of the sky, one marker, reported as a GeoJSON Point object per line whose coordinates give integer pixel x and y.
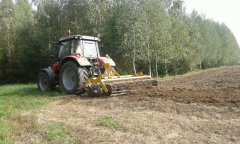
{"type": "Point", "coordinates": [223, 11]}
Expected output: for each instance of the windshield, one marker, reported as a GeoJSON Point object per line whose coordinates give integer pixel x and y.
{"type": "Point", "coordinates": [90, 48]}
{"type": "Point", "coordinates": [64, 50]}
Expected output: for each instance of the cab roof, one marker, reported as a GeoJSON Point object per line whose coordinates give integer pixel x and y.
{"type": "Point", "coordinates": [80, 37]}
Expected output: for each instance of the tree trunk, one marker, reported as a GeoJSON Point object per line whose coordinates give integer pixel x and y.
{"type": "Point", "coordinates": [165, 62]}
{"type": "Point", "coordinates": [165, 66]}
{"type": "Point", "coordinates": [156, 69]}
{"type": "Point", "coordinates": [200, 65]}
{"type": "Point", "coordinates": [134, 67]}
{"type": "Point", "coordinates": [134, 56]}
{"type": "Point", "coordinates": [149, 62]}
{"type": "Point", "coordinates": [134, 59]}
{"type": "Point", "coordinates": [201, 61]}
{"type": "Point", "coordinates": [156, 65]}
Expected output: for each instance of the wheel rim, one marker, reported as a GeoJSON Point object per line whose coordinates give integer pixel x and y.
{"type": "Point", "coordinates": [43, 82]}
{"type": "Point", "coordinates": [69, 78]}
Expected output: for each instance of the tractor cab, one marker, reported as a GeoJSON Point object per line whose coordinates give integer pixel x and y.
{"type": "Point", "coordinates": [84, 46]}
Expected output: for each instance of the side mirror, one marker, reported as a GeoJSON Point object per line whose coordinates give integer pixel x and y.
{"type": "Point", "coordinates": [99, 37]}
{"type": "Point", "coordinates": [49, 46]}
{"type": "Point", "coordinates": [52, 57]}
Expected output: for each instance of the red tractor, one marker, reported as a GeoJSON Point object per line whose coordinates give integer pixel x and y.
{"type": "Point", "coordinates": [80, 67]}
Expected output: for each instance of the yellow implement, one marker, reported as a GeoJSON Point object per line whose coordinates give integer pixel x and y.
{"type": "Point", "coordinates": [110, 82]}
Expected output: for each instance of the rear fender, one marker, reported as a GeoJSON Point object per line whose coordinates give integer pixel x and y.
{"type": "Point", "coordinates": [52, 76]}
{"type": "Point", "coordinates": [80, 60]}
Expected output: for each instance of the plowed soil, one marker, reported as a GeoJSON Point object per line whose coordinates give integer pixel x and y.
{"type": "Point", "coordinates": [201, 108]}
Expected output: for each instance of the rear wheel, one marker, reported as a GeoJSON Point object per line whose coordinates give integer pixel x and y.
{"type": "Point", "coordinates": [44, 82]}
{"type": "Point", "coordinates": [72, 78]}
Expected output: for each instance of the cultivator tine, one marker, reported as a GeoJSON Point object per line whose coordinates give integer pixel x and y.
{"type": "Point", "coordinates": [118, 86]}
{"type": "Point", "coordinates": [124, 87]}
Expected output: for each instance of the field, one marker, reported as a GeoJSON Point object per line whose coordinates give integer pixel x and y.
{"type": "Point", "coordinates": [202, 107]}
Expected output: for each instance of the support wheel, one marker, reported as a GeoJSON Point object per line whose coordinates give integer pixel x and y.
{"type": "Point", "coordinates": [95, 91]}
{"type": "Point", "coordinates": [109, 90]}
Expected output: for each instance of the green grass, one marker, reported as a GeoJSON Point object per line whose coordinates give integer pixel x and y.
{"type": "Point", "coordinates": [58, 133]}
{"type": "Point", "coordinates": [108, 122]}
{"type": "Point", "coordinates": [6, 129]}
{"type": "Point", "coordinates": [17, 97]}
{"type": "Point", "coordinates": [26, 97]}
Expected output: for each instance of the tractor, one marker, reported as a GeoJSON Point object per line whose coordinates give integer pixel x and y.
{"type": "Point", "coordinates": [79, 68]}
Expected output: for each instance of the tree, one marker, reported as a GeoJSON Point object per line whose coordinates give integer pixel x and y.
{"type": "Point", "coordinates": [7, 36]}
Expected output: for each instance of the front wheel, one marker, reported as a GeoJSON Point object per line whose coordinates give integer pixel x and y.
{"type": "Point", "coordinates": [72, 78]}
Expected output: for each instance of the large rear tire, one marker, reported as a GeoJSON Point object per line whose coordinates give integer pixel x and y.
{"type": "Point", "coordinates": [44, 82]}
{"type": "Point", "coordinates": [72, 78]}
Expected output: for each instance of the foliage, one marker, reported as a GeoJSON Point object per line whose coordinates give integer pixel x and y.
{"type": "Point", "coordinates": [154, 36]}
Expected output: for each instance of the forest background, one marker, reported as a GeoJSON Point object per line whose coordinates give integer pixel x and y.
{"type": "Point", "coordinates": [156, 37]}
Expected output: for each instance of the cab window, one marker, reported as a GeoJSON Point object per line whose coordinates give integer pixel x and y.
{"type": "Point", "coordinates": [65, 49]}
{"type": "Point", "coordinates": [90, 49]}
{"type": "Point", "coordinates": [77, 47]}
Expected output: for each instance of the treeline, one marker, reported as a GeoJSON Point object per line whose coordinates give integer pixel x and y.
{"type": "Point", "coordinates": [153, 35]}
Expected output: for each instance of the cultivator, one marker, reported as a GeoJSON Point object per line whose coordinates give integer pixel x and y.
{"type": "Point", "coordinates": [111, 83]}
